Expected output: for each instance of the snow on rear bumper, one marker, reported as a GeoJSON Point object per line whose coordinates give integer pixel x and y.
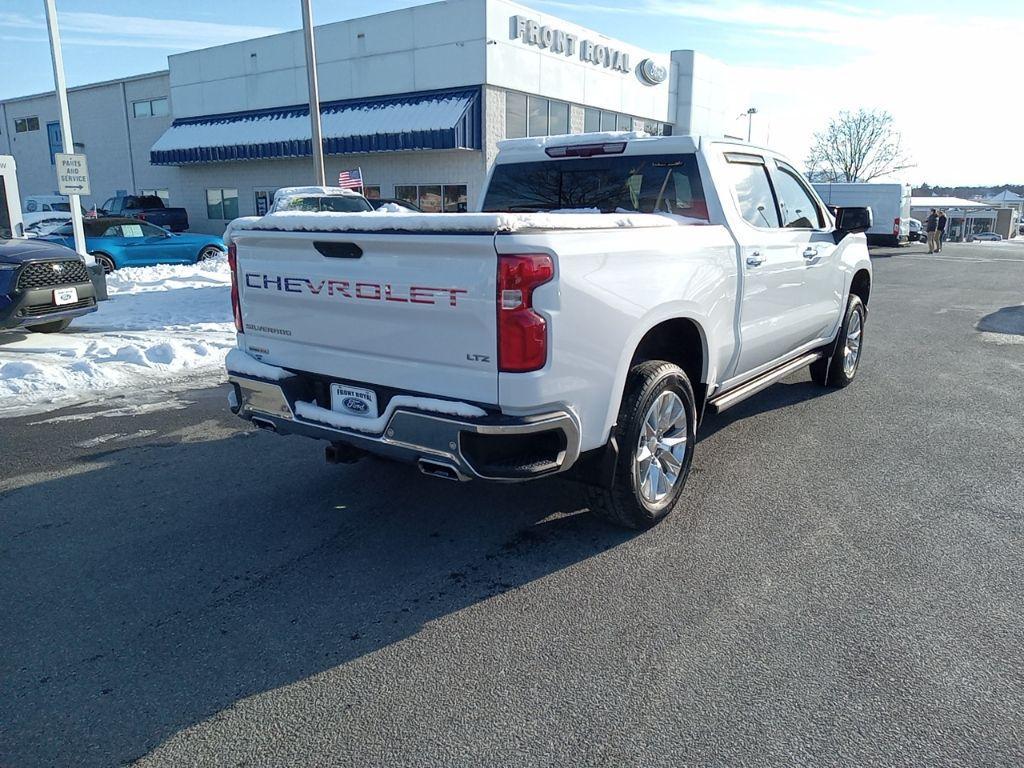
{"type": "Point", "coordinates": [485, 446]}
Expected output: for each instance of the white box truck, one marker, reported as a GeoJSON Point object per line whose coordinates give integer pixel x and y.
{"type": "Point", "coordinates": [889, 204]}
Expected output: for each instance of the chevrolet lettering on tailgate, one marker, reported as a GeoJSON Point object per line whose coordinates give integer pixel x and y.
{"type": "Point", "coordinates": [415, 294]}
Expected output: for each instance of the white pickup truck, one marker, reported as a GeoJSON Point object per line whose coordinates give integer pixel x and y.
{"type": "Point", "coordinates": [613, 289]}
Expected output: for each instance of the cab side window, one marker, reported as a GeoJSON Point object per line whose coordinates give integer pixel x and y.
{"type": "Point", "coordinates": [749, 180]}
{"type": "Point", "coordinates": [799, 210]}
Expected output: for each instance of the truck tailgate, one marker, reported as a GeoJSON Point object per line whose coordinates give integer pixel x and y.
{"type": "Point", "coordinates": [411, 311]}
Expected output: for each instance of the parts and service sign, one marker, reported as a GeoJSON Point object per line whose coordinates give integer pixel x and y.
{"type": "Point", "coordinates": [72, 174]}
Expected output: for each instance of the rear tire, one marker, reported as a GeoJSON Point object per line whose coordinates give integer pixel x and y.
{"type": "Point", "coordinates": [840, 370]}
{"type": "Point", "coordinates": [656, 433]}
{"type": "Point", "coordinates": [55, 327]}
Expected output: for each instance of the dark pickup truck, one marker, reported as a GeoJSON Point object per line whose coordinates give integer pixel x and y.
{"type": "Point", "coordinates": [148, 208]}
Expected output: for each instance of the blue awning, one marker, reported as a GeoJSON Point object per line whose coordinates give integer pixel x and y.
{"type": "Point", "coordinates": [448, 119]}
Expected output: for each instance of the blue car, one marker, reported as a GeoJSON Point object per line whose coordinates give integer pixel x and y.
{"type": "Point", "coordinates": [122, 242]}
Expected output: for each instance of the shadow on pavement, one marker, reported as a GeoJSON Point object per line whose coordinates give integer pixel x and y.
{"type": "Point", "coordinates": [165, 583]}
{"type": "Point", "coordinates": [777, 396]}
{"type": "Point", "coordinates": [1008, 320]}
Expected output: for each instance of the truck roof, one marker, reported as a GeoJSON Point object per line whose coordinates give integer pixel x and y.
{"type": "Point", "coordinates": [637, 142]}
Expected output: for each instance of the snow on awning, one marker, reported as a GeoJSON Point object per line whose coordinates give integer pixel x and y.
{"type": "Point", "coordinates": [436, 120]}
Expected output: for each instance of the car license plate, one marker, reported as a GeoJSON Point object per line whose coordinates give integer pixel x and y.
{"type": "Point", "coordinates": [354, 401]}
{"type": "Point", "coordinates": [63, 296]}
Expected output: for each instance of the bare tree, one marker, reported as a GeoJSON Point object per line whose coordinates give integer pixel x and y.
{"type": "Point", "coordinates": [857, 146]}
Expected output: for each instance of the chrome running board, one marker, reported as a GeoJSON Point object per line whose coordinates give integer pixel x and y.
{"type": "Point", "coordinates": [765, 380]}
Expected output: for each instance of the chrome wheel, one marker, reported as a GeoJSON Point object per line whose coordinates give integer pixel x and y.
{"type": "Point", "coordinates": [661, 448]}
{"type": "Point", "coordinates": [208, 253]}
{"type": "Point", "coordinates": [851, 352]}
{"type": "Point", "coordinates": [106, 262]}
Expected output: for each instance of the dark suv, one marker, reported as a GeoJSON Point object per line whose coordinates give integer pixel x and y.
{"type": "Point", "coordinates": [43, 286]}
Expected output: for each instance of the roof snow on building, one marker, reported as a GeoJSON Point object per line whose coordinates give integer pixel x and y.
{"type": "Point", "coordinates": [430, 120]}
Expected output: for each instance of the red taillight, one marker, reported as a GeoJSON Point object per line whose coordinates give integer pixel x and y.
{"type": "Point", "coordinates": [896, 226]}
{"type": "Point", "coordinates": [522, 333]}
{"type": "Point", "coordinates": [140, 216]}
{"type": "Point", "coordinates": [236, 304]}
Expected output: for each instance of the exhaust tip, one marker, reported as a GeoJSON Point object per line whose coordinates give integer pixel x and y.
{"type": "Point", "coordinates": [264, 424]}
{"type": "Point", "coordinates": [441, 470]}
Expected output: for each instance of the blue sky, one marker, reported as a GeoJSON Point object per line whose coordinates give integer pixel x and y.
{"type": "Point", "coordinates": [948, 75]}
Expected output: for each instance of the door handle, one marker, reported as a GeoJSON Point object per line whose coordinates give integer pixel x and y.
{"type": "Point", "coordinates": [810, 253]}
{"type": "Point", "coordinates": [755, 259]}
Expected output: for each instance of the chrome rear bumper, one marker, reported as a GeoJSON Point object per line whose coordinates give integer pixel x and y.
{"type": "Point", "coordinates": [442, 445]}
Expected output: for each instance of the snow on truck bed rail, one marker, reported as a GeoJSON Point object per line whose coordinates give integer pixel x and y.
{"type": "Point", "coordinates": [410, 221]}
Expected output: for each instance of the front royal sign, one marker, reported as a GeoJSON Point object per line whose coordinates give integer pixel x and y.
{"type": "Point", "coordinates": [559, 41]}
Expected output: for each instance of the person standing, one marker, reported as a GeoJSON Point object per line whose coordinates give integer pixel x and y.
{"type": "Point", "coordinates": [931, 226]}
{"type": "Point", "coordinates": [940, 226]}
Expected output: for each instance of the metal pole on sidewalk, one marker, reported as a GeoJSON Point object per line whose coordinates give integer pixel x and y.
{"type": "Point", "coordinates": [67, 139]}
{"type": "Point", "coordinates": [319, 177]}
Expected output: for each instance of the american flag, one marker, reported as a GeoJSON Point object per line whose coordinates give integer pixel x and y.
{"type": "Point", "coordinates": [350, 179]}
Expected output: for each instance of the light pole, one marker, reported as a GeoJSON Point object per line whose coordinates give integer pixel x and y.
{"type": "Point", "coordinates": [319, 177]}
{"type": "Point", "coordinates": [65, 118]}
{"type": "Point", "coordinates": [750, 121]}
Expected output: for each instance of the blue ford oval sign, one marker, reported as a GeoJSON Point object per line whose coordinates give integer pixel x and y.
{"type": "Point", "coordinates": [651, 72]}
{"type": "Point", "coordinates": [355, 405]}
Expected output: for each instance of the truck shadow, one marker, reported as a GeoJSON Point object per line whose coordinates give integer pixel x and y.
{"type": "Point", "coordinates": [163, 584]}
{"type": "Point", "coordinates": [780, 395]}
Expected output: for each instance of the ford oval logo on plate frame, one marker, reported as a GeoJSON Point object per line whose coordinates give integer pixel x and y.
{"type": "Point", "coordinates": [355, 405]}
{"type": "Point", "coordinates": [651, 72]}
{"type": "Point", "coordinates": [354, 401]}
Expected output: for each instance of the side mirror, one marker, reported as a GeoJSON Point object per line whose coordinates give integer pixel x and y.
{"type": "Point", "coordinates": [851, 220]}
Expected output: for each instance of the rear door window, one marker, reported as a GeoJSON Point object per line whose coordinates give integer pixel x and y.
{"type": "Point", "coordinates": [753, 192]}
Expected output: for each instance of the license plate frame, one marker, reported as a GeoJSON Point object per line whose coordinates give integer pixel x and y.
{"type": "Point", "coordinates": [344, 399]}
{"type": "Point", "coordinates": [64, 296]}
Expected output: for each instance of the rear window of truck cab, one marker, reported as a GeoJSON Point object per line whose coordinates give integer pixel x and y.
{"type": "Point", "coordinates": [610, 184]}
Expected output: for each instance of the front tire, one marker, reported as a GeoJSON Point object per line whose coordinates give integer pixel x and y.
{"type": "Point", "coordinates": [210, 252]}
{"type": "Point", "coordinates": [656, 433]}
{"type": "Point", "coordinates": [55, 327]}
{"type": "Point", "coordinates": [839, 370]}
{"type": "Point", "coordinates": [106, 262]}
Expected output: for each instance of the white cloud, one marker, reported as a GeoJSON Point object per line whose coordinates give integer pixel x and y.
{"type": "Point", "coordinates": [108, 30]}
{"type": "Point", "coordinates": [949, 81]}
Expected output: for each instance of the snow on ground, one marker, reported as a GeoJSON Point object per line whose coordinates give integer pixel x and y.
{"type": "Point", "coordinates": [165, 327]}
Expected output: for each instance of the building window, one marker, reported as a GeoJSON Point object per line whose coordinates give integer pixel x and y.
{"type": "Point", "coordinates": [455, 198]}
{"type": "Point", "coordinates": [515, 115]}
{"type": "Point", "coordinates": [163, 194]}
{"type": "Point", "coordinates": [25, 124]}
{"type": "Point", "coordinates": [222, 204]}
{"type": "Point", "coordinates": [537, 116]}
{"type": "Point", "coordinates": [150, 108]}
{"type": "Point", "coordinates": [434, 198]}
{"type": "Point", "coordinates": [430, 198]}
{"type": "Point", "coordinates": [558, 118]}
{"type": "Point", "coordinates": [623, 123]}
{"type": "Point", "coordinates": [591, 120]}
{"type": "Point", "coordinates": [371, 192]}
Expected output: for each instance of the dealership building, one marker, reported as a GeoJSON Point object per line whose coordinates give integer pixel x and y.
{"type": "Point", "coordinates": [417, 99]}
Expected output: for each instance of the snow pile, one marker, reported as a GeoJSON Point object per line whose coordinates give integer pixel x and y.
{"type": "Point", "coordinates": [164, 327]}
{"type": "Point", "coordinates": [411, 221]}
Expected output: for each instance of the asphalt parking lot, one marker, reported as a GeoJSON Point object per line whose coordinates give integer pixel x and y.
{"type": "Point", "coordinates": [843, 585]}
